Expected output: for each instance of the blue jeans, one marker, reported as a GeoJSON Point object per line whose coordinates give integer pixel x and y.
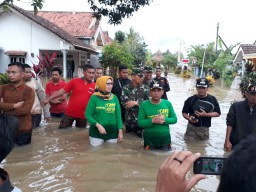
{"type": "Point", "coordinates": [57, 115]}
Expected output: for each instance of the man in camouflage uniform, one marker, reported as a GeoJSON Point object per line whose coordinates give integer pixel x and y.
{"type": "Point", "coordinates": [148, 75]}
{"type": "Point", "coordinates": [132, 96]}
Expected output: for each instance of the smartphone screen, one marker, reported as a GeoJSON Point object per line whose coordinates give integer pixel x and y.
{"type": "Point", "coordinates": [209, 165]}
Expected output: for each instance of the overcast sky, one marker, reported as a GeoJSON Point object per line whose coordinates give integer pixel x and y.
{"type": "Point", "coordinates": [167, 24]}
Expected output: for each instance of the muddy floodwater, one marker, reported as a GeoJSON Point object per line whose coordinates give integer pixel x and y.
{"type": "Point", "coordinates": [63, 161]}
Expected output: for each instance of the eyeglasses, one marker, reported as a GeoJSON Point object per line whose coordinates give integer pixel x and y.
{"type": "Point", "coordinates": [141, 76]}
{"type": "Point", "coordinates": [109, 84]}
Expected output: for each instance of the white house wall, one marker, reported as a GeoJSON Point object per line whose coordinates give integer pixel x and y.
{"type": "Point", "coordinates": [20, 33]}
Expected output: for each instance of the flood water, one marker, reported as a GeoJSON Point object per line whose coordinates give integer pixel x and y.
{"type": "Point", "coordinates": [62, 160]}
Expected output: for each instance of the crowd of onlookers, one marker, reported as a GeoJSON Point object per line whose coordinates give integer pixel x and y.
{"type": "Point", "coordinates": [135, 104]}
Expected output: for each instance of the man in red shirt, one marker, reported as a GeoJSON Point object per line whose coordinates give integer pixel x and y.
{"type": "Point", "coordinates": [81, 90]}
{"type": "Point", "coordinates": [59, 104]}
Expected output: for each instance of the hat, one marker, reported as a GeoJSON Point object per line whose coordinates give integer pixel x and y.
{"type": "Point", "coordinates": [202, 82]}
{"type": "Point", "coordinates": [251, 88]}
{"type": "Point", "coordinates": [155, 85]}
{"type": "Point", "coordinates": [137, 71]}
{"type": "Point", "coordinates": [148, 69]}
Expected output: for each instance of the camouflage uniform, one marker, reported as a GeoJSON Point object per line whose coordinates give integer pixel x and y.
{"type": "Point", "coordinates": [131, 93]}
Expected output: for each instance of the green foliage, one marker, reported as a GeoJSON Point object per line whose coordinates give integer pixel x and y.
{"type": "Point", "coordinates": [119, 36]}
{"type": "Point", "coordinates": [197, 51]}
{"type": "Point", "coordinates": [136, 46]}
{"type": "Point", "coordinates": [248, 78]}
{"type": "Point", "coordinates": [177, 70]}
{"type": "Point", "coordinates": [4, 78]}
{"type": "Point", "coordinates": [116, 10]}
{"type": "Point", "coordinates": [169, 60]}
{"type": "Point", "coordinates": [115, 55]}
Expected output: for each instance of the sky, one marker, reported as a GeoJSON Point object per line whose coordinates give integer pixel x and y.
{"type": "Point", "coordinates": [177, 24]}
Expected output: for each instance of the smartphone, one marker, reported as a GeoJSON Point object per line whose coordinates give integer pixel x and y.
{"type": "Point", "coordinates": [209, 165]}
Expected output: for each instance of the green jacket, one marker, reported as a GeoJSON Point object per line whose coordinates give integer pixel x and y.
{"type": "Point", "coordinates": [156, 135]}
{"type": "Point", "coordinates": [105, 112]}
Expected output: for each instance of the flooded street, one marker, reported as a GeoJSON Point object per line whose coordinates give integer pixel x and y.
{"type": "Point", "coordinates": [62, 160]}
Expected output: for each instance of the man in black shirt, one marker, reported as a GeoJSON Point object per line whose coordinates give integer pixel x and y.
{"type": "Point", "coordinates": [163, 81]}
{"type": "Point", "coordinates": [119, 83]}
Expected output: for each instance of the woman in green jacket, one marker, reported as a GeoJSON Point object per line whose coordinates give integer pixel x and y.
{"type": "Point", "coordinates": [104, 114]}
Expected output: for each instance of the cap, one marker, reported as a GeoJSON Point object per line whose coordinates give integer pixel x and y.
{"type": "Point", "coordinates": [251, 88]}
{"type": "Point", "coordinates": [137, 71]}
{"type": "Point", "coordinates": [155, 85]}
{"type": "Point", "coordinates": [202, 82]}
{"type": "Point", "coordinates": [148, 69]}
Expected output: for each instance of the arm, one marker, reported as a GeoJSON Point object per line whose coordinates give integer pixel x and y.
{"type": "Point", "coordinates": [143, 121]}
{"type": "Point", "coordinates": [228, 144]}
{"type": "Point", "coordinates": [166, 85]}
{"type": "Point", "coordinates": [189, 118]}
{"type": "Point", "coordinates": [54, 95]}
{"type": "Point", "coordinates": [119, 120]}
{"type": "Point", "coordinates": [171, 175]}
{"type": "Point", "coordinates": [27, 105]}
{"type": "Point", "coordinates": [172, 118]}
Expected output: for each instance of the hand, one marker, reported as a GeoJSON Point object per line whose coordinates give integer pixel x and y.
{"type": "Point", "coordinates": [159, 119]}
{"type": "Point", "coordinates": [172, 173]}
{"type": "Point", "coordinates": [120, 135]}
{"type": "Point", "coordinates": [193, 119]}
{"type": "Point", "coordinates": [201, 114]}
{"type": "Point", "coordinates": [47, 119]}
{"type": "Point", "coordinates": [18, 104]}
{"type": "Point", "coordinates": [130, 104]}
{"type": "Point", "coordinates": [44, 102]}
{"type": "Point", "coordinates": [227, 145]}
{"type": "Point", "coordinates": [101, 128]}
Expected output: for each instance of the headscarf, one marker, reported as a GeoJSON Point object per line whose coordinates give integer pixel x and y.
{"type": "Point", "coordinates": [101, 88]}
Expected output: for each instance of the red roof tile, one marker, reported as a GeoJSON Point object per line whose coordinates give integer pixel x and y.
{"type": "Point", "coordinates": [78, 24]}
{"type": "Point", "coordinates": [16, 53]}
{"type": "Point", "coordinates": [248, 48]}
{"type": "Point", "coordinates": [107, 39]}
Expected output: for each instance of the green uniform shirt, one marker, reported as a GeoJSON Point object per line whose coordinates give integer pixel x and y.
{"type": "Point", "coordinates": [156, 135]}
{"type": "Point", "coordinates": [105, 112]}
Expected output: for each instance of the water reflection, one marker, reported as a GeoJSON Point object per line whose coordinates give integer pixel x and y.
{"type": "Point", "coordinates": [62, 160]}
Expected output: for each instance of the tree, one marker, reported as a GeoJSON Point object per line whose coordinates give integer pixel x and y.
{"type": "Point", "coordinates": [115, 55]}
{"type": "Point", "coordinates": [169, 60]}
{"type": "Point", "coordinates": [119, 37]}
{"type": "Point", "coordinates": [36, 4]}
{"type": "Point", "coordinates": [116, 10]}
{"type": "Point", "coordinates": [136, 46]}
{"type": "Point", "coordinates": [197, 51]}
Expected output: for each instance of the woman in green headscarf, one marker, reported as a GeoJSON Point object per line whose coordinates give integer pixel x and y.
{"type": "Point", "coordinates": [104, 114]}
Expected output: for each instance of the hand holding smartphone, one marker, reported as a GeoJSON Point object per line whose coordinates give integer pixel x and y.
{"type": "Point", "coordinates": [209, 165]}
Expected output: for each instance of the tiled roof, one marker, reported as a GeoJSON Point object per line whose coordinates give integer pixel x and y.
{"type": "Point", "coordinates": [78, 24]}
{"type": "Point", "coordinates": [55, 29]}
{"type": "Point", "coordinates": [107, 39]}
{"type": "Point", "coordinates": [248, 48]}
{"type": "Point", "coordinates": [16, 53]}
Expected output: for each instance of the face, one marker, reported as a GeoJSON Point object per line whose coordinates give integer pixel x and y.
{"type": "Point", "coordinates": [89, 74]}
{"type": "Point", "coordinates": [98, 73]}
{"type": "Point", "coordinates": [55, 76]}
{"type": "Point", "coordinates": [148, 76]}
{"type": "Point", "coordinates": [138, 79]}
{"type": "Point", "coordinates": [158, 72]}
{"type": "Point", "coordinates": [156, 94]}
{"type": "Point", "coordinates": [123, 74]}
{"type": "Point", "coordinates": [27, 74]}
{"type": "Point", "coordinates": [109, 85]}
{"type": "Point", "coordinates": [15, 74]}
{"type": "Point", "coordinates": [202, 91]}
{"type": "Point", "coordinates": [251, 98]}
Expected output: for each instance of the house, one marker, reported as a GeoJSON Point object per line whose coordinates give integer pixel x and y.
{"type": "Point", "coordinates": [245, 53]}
{"type": "Point", "coordinates": [24, 36]}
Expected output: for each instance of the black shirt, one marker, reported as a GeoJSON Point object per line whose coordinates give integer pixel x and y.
{"type": "Point", "coordinates": [166, 86]}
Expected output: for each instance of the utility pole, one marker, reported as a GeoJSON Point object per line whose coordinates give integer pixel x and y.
{"type": "Point", "coordinates": [217, 37]}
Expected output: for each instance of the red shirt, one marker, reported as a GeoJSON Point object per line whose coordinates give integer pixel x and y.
{"type": "Point", "coordinates": [49, 90]}
{"type": "Point", "coordinates": [81, 93]}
